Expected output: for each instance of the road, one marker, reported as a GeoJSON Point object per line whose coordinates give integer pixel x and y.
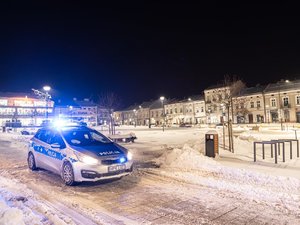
{"type": "Point", "coordinates": [145, 197]}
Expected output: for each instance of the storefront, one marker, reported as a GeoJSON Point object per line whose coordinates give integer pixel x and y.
{"type": "Point", "coordinates": [26, 110]}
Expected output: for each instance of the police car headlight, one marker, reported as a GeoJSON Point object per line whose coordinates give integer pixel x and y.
{"type": "Point", "coordinates": [129, 156]}
{"type": "Point", "coordinates": [86, 159]}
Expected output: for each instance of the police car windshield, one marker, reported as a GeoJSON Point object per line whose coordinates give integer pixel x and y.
{"type": "Point", "coordinates": [84, 137]}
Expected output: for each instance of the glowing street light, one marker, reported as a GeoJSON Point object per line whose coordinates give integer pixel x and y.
{"type": "Point", "coordinates": [162, 98]}
{"type": "Point", "coordinates": [47, 88]}
{"type": "Point", "coordinates": [47, 96]}
{"type": "Point", "coordinates": [44, 95]}
{"type": "Point", "coordinates": [135, 119]}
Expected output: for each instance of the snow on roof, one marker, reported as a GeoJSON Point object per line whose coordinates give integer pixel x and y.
{"type": "Point", "coordinates": [283, 86]}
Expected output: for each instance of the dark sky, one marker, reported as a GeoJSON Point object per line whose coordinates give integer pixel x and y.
{"type": "Point", "coordinates": [142, 51]}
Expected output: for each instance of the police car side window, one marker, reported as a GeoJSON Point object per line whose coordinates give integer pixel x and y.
{"type": "Point", "coordinates": [56, 139]}
{"type": "Point", "coordinates": [43, 135]}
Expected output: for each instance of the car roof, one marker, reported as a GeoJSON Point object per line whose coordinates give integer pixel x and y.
{"type": "Point", "coordinates": [66, 128]}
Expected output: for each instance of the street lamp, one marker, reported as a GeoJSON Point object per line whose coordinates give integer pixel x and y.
{"type": "Point", "coordinates": [140, 118]}
{"type": "Point", "coordinates": [162, 98]}
{"type": "Point", "coordinates": [135, 112]}
{"type": "Point", "coordinates": [44, 95]}
{"type": "Point", "coordinates": [280, 105]}
{"type": "Point", "coordinates": [47, 96]}
{"type": "Point", "coordinates": [194, 113]}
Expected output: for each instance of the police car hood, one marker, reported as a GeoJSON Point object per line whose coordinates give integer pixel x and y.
{"type": "Point", "coordinates": [107, 149]}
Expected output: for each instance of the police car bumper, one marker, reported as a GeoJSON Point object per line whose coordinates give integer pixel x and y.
{"type": "Point", "coordinates": [83, 172]}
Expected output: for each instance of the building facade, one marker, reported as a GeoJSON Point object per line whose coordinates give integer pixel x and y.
{"type": "Point", "coordinates": [216, 100]}
{"type": "Point", "coordinates": [282, 101]}
{"type": "Point", "coordinates": [82, 110]}
{"type": "Point", "coordinates": [23, 109]}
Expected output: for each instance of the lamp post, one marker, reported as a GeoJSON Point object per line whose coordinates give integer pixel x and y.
{"type": "Point", "coordinates": [134, 113]}
{"type": "Point", "coordinates": [44, 95]}
{"type": "Point", "coordinates": [140, 116]}
{"type": "Point", "coordinates": [194, 113]}
{"type": "Point", "coordinates": [162, 98]}
{"type": "Point", "coordinates": [280, 105]}
{"type": "Point", "coordinates": [47, 96]}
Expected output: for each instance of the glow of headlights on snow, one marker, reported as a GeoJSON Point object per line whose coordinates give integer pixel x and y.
{"type": "Point", "coordinates": [129, 156]}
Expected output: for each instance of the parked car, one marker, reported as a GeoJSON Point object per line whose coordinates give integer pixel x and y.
{"type": "Point", "coordinates": [78, 153]}
{"type": "Point", "coordinates": [25, 132]}
{"type": "Point", "coordinates": [185, 125]}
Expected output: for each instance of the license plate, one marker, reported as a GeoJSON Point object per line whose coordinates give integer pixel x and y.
{"type": "Point", "coordinates": [116, 168]}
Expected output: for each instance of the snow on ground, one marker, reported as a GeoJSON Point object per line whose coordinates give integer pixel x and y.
{"type": "Point", "coordinates": [180, 154]}
{"type": "Point", "coordinates": [19, 205]}
{"type": "Point", "coordinates": [264, 181]}
{"type": "Point", "coordinates": [188, 164]}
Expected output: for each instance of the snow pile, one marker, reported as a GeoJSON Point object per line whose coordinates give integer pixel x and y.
{"type": "Point", "coordinates": [190, 165]}
{"type": "Point", "coordinates": [19, 205]}
{"type": "Point", "coordinates": [10, 215]}
{"type": "Point", "coordinates": [187, 157]}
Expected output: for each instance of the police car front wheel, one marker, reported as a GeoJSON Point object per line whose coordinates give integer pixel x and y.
{"type": "Point", "coordinates": [31, 162]}
{"type": "Point", "coordinates": [68, 174]}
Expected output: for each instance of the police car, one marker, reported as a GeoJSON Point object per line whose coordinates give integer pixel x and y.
{"type": "Point", "coordinates": [78, 153]}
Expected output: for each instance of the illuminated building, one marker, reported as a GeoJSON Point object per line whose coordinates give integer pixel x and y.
{"type": "Point", "coordinates": [23, 109]}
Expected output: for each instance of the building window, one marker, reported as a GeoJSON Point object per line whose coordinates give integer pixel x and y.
{"type": "Point", "coordinates": [273, 102]}
{"type": "Point", "coordinates": [202, 109]}
{"type": "Point", "coordinates": [285, 101]}
{"type": "Point", "coordinates": [298, 100]}
{"type": "Point", "coordinates": [251, 104]}
{"type": "Point", "coordinates": [175, 110]}
{"type": "Point", "coordinates": [258, 104]}
{"type": "Point", "coordinates": [180, 110]}
{"type": "Point", "coordinates": [171, 111]}
{"type": "Point", "coordinates": [167, 111]}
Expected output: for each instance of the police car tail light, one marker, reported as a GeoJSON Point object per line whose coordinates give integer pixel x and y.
{"type": "Point", "coordinates": [86, 159]}
{"type": "Point", "coordinates": [129, 156]}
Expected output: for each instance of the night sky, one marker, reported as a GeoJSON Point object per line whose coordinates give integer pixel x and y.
{"type": "Point", "coordinates": [142, 51]}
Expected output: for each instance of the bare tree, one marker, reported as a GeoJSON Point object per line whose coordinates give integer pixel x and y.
{"type": "Point", "coordinates": [224, 96]}
{"type": "Point", "coordinates": [240, 106]}
{"type": "Point", "coordinates": [110, 101]}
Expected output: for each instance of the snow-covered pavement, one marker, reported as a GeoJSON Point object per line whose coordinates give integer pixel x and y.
{"type": "Point", "coordinates": [173, 184]}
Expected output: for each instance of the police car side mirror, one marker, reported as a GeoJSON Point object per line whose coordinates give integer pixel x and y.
{"type": "Point", "coordinates": [55, 145]}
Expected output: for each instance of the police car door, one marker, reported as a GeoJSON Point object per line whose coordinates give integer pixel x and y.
{"type": "Point", "coordinates": [40, 145]}
{"type": "Point", "coordinates": [56, 152]}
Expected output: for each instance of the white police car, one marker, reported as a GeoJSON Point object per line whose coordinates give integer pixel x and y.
{"type": "Point", "coordinates": [78, 153]}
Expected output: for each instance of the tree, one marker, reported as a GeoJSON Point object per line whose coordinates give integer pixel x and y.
{"type": "Point", "coordinates": [223, 98]}
{"type": "Point", "coordinates": [110, 101]}
{"type": "Point", "coordinates": [240, 106]}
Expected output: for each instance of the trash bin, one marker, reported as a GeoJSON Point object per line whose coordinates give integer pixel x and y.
{"type": "Point", "coordinates": [211, 143]}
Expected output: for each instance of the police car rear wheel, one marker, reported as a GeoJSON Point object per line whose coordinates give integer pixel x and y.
{"type": "Point", "coordinates": [68, 174]}
{"type": "Point", "coordinates": [31, 162]}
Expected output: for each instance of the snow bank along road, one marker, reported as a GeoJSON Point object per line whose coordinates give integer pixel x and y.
{"type": "Point", "coordinates": [171, 194]}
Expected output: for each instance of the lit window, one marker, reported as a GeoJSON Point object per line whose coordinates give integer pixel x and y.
{"type": "Point", "coordinates": [273, 102]}
{"type": "Point", "coordinates": [258, 104]}
{"type": "Point", "coordinates": [285, 101]}
{"type": "Point", "coordinates": [298, 100]}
